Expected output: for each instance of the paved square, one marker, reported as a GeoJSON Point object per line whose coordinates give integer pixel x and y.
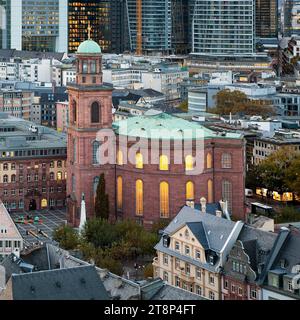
{"type": "Point", "coordinates": [49, 220]}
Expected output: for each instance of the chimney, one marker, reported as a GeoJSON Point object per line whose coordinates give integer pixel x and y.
{"type": "Point", "coordinates": [203, 205]}
{"type": "Point", "coordinates": [219, 213]}
{"type": "Point", "coordinates": [190, 204]}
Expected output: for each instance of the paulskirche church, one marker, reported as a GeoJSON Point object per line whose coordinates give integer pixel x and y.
{"type": "Point", "coordinates": [143, 190]}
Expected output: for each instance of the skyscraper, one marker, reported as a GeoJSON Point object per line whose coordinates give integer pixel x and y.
{"type": "Point", "coordinates": [266, 20]}
{"type": "Point", "coordinates": [223, 28]}
{"type": "Point", "coordinates": [107, 19]}
{"type": "Point", "coordinates": [291, 17]}
{"type": "Point", "coordinates": [34, 25]}
{"type": "Point", "coordinates": [156, 25]}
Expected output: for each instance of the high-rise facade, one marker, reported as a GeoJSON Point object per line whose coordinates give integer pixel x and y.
{"type": "Point", "coordinates": [107, 19]}
{"type": "Point", "coordinates": [291, 18]}
{"type": "Point", "coordinates": [180, 26]}
{"type": "Point", "coordinates": [223, 28]}
{"type": "Point", "coordinates": [266, 20]}
{"type": "Point", "coordinates": [156, 25]}
{"type": "Point", "coordinates": [34, 25]}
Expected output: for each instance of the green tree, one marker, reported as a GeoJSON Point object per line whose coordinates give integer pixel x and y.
{"type": "Point", "coordinates": [287, 214]}
{"type": "Point", "coordinates": [99, 232]}
{"type": "Point", "coordinates": [67, 237]}
{"type": "Point", "coordinates": [148, 271]}
{"type": "Point", "coordinates": [102, 201]}
{"type": "Point", "coordinates": [253, 177]}
{"type": "Point", "coordinates": [292, 177]}
{"type": "Point", "coordinates": [184, 106]}
{"type": "Point", "coordinates": [278, 171]}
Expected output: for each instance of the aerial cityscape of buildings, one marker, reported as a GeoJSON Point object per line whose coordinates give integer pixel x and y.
{"type": "Point", "coordinates": [149, 150]}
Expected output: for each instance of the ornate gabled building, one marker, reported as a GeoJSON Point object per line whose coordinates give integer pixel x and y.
{"type": "Point", "coordinates": [145, 180]}
{"type": "Point", "coordinates": [245, 264]}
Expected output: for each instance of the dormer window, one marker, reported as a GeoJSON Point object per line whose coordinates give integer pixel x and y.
{"type": "Point", "coordinates": [166, 241]}
{"type": "Point", "coordinates": [211, 259]}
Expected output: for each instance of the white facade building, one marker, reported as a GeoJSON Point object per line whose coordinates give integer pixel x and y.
{"type": "Point", "coordinates": [11, 240]}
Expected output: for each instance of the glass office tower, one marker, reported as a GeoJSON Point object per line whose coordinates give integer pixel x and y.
{"type": "Point", "coordinates": [107, 19]}
{"type": "Point", "coordinates": [223, 28]}
{"type": "Point", "coordinates": [156, 25]}
{"type": "Point", "coordinates": [291, 18]}
{"type": "Point", "coordinates": [266, 18]}
{"type": "Point", "coordinates": [34, 25]}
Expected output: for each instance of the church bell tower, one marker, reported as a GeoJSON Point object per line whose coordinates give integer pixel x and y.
{"type": "Point", "coordinates": [90, 110]}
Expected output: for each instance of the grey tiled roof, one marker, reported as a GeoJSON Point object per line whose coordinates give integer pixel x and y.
{"type": "Point", "coordinates": [168, 292]}
{"type": "Point", "coordinates": [217, 229]}
{"type": "Point", "coordinates": [80, 283]}
{"type": "Point", "coordinates": [199, 232]}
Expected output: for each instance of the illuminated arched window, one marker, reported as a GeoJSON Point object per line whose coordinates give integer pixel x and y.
{"type": "Point", "coordinates": [95, 112]}
{"type": "Point", "coordinates": [66, 175]}
{"type": "Point", "coordinates": [119, 193]}
{"type": "Point", "coordinates": [139, 205]}
{"type": "Point", "coordinates": [96, 146]}
{"type": "Point", "coordinates": [120, 158]}
{"type": "Point", "coordinates": [226, 161]}
{"type": "Point", "coordinates": [44, 203]}
{"type": "Point", "coordinates": [139, 161]}
{"type": "Point", "coordinates": [208, 161]}
{"type": "Point", "coordinates": [209, 191]}
{"type": "Point", "coordinates": [163, 162]}
{"type": "Point", "coordinates": [189, 162]}
{"type": "Point", "coordinates": [164, 199]}
{"type": "Point", "coordinates": [59, 175]}
{"type": "Point", "coordinates": [227, 193]}
{"type": "Point", "coordinates": [189, 190]}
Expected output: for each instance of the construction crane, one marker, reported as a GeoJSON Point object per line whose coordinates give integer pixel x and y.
{"type": "Point", "coordinates": [139, 39]}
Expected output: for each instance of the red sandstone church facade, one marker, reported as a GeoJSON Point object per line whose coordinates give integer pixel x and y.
{"type": "Point", "coordinates": [142, 191]}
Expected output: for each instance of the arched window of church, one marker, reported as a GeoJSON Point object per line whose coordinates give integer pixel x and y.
{"type": "Point", "coordinates": [189, 191]}
{"type": "Point", "coordinates": [74, 110]}
{"type": "Point", "coordinates": [163, 162]}
{"type": "Point", "coordinates": [96, 158]}
{"type": "Point", "coordinates": [93, 66]}
{"type": "Point", "coordinates": [227, 193]}
{"type": "Point", "coordinates": [164, 199]}
{"type": "Point", "coordinates": [139, 163]}
{"type": "Point", "coordinates": [139, 202]}
{"type": "Point", "coordinates": [74, 150]}
{"type": "Point", "coordinates": [95, 184]}
{"type": "Point", "coordinates": [120, 158]}
{"type": "Point", "coordinates": [189, 163]}
{"type": "Point", "coordinates": [84, 67]}
{"type": "Point", "coordinates": [208, 161]}
{"type": "Point", "coordinates": [226, 161]}
{"type": "Point", "coordinates": [95, 112]}
{"type": "Point", "coordinates": [209, 191]}
{"type": "Point", "coordinates": [119, 193]}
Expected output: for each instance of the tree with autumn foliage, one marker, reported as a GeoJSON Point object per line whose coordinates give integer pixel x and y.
{"type": "Point", "coordinates": [237, 102]}
{"type": "Point", "coordinates": [280, 172]}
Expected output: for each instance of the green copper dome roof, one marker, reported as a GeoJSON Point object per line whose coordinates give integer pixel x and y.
{"type": "Point", "coordinates": [89, 46]}
{"type": "Point", "coordinates": [165, 126]}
